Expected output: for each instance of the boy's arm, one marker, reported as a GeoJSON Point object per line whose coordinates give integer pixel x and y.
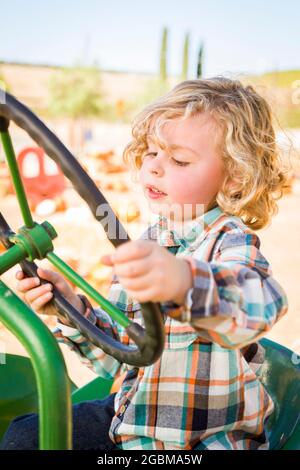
{"type": "Point", "coordinates": [103, 364]}
{"type": "Point", "coordinates": [95, 358]}
{"type": "Point", "coordinates": [234, 299]}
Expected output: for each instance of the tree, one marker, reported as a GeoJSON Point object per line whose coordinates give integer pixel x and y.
{"type": "Point", "coordinates": [156, 86]}
{"type": "Point", "coordinates": [163, 56]}
{"type": "Point", "coordinates": [76, 93]}
{"type": "Point", "coordinates": [200, 61]}
{"type": "Point", "coordinates": [185, 57]}
{"type": "Point", "coordinates": [3, 83]}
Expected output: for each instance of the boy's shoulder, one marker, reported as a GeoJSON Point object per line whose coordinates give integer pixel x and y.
{"type": "Point", "coordinates": [233, 237]}
{"type": "Point", "coordinates": [219, 225]}
{"type": "Point", "coordinates": [230, 229]}
{"type": "Point", "coordinates": [228, 223]}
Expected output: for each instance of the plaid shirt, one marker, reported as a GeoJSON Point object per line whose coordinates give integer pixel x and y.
{"type": "Point", "coordinates": [204, 392]}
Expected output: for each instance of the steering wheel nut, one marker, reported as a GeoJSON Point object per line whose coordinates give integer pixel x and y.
{"type": "Point", "coordinates": [36, 241]}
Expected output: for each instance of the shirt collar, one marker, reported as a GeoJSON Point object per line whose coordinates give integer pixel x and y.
{"type": "Point", "coordinates": [167, 233]}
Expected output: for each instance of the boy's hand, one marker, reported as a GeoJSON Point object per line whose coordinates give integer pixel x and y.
{"type": "Point", "coordinates": [149, 272]}
{"type": "Point", "coordinates": [38, 296]}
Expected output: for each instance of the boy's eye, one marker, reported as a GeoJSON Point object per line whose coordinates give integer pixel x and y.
{"type": "Point", "coordinates": [177, 162]}
{"type": "Point", "coordinates": [150, 153]}
{"type": "Point", "coordinates": [180, 163]}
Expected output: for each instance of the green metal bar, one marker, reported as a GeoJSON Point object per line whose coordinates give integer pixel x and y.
{"type": "Point", "coordinates": [53, 384]}
{"type": "Point", "coordinates": [70, 274]}
{"type": "Point", "coordinates": [11, 257]}
{"type": "Point", "coordinates": [17, 180]}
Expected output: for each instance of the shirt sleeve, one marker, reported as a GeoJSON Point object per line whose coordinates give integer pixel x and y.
{"type": "Point", "coordinates": [234, 299]}
{"type": "Point", "coordinates": [93, 357]}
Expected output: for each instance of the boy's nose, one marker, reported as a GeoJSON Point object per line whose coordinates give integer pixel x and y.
{"type": "Point", "coordinates": [157, 167]}
{"type": "Point", "coordinates": [157, 164]}
{"type": "Point", "coordinates": [157, 171]}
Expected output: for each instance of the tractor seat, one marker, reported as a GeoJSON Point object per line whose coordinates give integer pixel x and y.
{"type": "Point", "coordinates": [280, 374]}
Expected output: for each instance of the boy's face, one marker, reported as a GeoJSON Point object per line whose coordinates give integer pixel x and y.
{"type": "Point", "coordinates": [189, 172]}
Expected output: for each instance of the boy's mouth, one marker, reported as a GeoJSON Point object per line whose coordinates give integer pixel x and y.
{"type": "Point", "coordinates": [153, 192]}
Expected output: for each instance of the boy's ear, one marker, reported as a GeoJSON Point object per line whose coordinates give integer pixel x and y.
{"type": "Point", "coordinates": [230, 183]}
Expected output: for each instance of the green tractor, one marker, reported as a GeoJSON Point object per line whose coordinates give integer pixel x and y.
{"type": "Point", "coordinates": [33, 384]}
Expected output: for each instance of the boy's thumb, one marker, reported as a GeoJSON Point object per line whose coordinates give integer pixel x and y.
{"type": "Point", "coordinates": [107, 260]}
{"type": "Point", "coordinates": [46, 274]}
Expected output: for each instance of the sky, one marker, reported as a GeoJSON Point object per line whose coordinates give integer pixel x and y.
{"type": "Point", "coordinates": [124, 35]}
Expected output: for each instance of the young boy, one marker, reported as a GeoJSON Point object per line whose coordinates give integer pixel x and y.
{"type": "Point", "coordinates": [206, 148]}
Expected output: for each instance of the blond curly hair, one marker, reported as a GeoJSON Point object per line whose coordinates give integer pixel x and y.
{"type": "Point", "coordinates": [255, 175]}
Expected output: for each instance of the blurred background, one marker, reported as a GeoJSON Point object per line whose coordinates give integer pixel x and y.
{"type": "Point", "coordinates": [86, 68]}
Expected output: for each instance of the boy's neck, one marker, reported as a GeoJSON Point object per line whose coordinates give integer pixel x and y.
{"type": "Point", "coordinates": [181, 226]}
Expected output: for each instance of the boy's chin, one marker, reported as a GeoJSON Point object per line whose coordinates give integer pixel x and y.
{"type": "Point", "coordinates": [175, 211]}
{"type": "Point", "coordinates": [170, 211]}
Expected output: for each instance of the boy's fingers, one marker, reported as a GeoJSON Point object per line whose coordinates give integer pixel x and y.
{"type": "Point", "coordinates": [28, 283]}
{"type": "Point", "coordinates": [133, 250]}
{"type": "Point", "coordinates": [133, 269]}
{"type": "Point", "coordinates": [39, 303]}
{"type": "Point", "coordinates": [34, 294]}
{"type": "Point", "coordinates": [107, 260]}
{"type": "Point", "coordinates": [51, 276]}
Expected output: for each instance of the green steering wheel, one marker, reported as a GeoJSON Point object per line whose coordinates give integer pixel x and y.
{"type": "Point", "coordinates": [34, 241]}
